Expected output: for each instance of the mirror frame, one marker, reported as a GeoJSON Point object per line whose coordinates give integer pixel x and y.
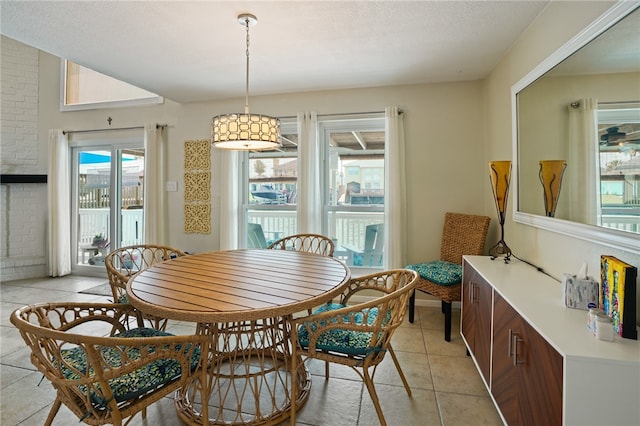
{"type": "Point", "coordinates": [606, 236]}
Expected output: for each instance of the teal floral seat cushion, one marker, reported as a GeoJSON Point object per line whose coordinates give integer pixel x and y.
{"type": "Point", "coordinates": [344, 341]}
{"type": "Point", "coordinates": [133, 384]}
{"type": "Point", "coordinates": [439, 272]}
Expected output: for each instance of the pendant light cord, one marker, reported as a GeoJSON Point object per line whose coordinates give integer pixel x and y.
{"type": "Point", "coordinates": [246, 99]}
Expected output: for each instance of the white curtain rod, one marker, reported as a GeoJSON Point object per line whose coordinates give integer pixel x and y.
{"type": "Point", "coordinates": [64, 132]}
{"type": "Point", "coordinates": [342, 113]}
{"type": "Point", "coordinates": [576, 104]}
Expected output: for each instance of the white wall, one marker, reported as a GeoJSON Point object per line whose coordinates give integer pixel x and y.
{"type": "Point", "coordinates": [22, 236]}
{"type": "Point", "coordinates": [554, 27]}
{"type": "Point", "coordinates": [443, 124]}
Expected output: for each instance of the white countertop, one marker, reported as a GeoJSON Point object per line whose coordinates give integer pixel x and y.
{"type": "Point", "coordinates": [538, 299]}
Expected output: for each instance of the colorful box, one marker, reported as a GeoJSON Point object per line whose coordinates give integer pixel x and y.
{"type": "Point", "coordinates": [618, 295]}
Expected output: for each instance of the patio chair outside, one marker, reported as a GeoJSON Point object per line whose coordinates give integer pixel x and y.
{"type": "Point", "coordinates": [372, 253]}
{"type": "Point", "coordinates": [255, 236]}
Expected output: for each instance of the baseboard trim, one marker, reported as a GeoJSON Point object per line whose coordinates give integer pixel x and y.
{"type": "Point", "coordinates": [424, 303]}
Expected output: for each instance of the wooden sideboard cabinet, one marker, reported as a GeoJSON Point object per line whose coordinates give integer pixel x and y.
{"type": "Point", "coordinates": [538, 360]}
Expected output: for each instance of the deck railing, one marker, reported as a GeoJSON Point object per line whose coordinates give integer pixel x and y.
{"type": "Point", "coordinates": [344, 227]}
{"type": "Point", "coordinates": [93, 222]}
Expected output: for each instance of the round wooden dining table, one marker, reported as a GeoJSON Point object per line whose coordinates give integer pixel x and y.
{"type": "Point", "coordinates": [244, 300]}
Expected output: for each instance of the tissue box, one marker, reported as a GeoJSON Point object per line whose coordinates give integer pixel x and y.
{"type": "Point", "coordinates": [580, 293]}
{"type": "Point", "coordinates": [618, 295]}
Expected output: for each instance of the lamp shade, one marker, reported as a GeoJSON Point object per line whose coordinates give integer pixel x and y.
{"type": "Point", "coordinates": [500, 173]}
{"type": "Point", "coordinates": [244, 131]}
{"type": "Point", "coordinates": [551, 172]}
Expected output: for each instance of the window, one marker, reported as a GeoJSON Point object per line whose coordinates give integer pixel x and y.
{"type": "Point", "coordinates": [619, 163]}
{"type": "Point", "coordinates": [351, 162]}
{"type": "Point", "coordinates": [108, 195]}
{"type": "Point", "coordinates": [83, 88]}
{"type": "Point", "coordinates": [271, 198]}
{"type": "Point", "coordinates": [354, 188]}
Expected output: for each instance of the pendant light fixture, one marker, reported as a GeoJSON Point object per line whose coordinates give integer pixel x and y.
{"type": "Point", "coordinates": [245, 131]}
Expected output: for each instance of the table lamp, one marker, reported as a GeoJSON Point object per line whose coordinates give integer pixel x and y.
{"type": "Point", "coordinates": [551, 172]}
{"type": "Point", "coordinates": [500, 174]}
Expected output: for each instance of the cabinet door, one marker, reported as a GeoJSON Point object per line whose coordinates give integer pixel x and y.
{"type": "Point", "coordinates": [542, 386]}
{"type": "Point", "coordinates": [476, 318]}
{"type": "Point", "coordinates": [467, 322]}
{"type": "Point", "coordinates": [505, 377]}
{"type": "Point", "coordinates": [527, 371]}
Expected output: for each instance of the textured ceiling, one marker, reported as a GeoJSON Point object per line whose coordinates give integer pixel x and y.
{"type": "Point", "coordinates": [195, 51]}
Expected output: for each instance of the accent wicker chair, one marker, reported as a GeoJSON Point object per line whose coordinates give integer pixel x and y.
{"type": "Point", "coordinates": [110, 375]}
{"type": "Point", "coordinates": [311, 243]}
{"type": "Point", "coordinates": [127, 261]}
{"type": "Point", "coordinates": [462, 234]}
{"type": "Point", "coordinates": [358, 335]}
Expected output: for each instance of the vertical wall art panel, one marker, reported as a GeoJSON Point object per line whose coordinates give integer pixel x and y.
{"type": "Point", "coordinates": [618, 294]}
{"type": "Point", "coordinates": [197, 187]}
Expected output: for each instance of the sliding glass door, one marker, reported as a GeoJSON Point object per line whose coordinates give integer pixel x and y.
{"type": "Point", "coordinates": [108, 188]}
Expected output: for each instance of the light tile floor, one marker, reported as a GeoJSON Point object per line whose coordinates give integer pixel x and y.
{"type": "Point", "coordinates": [447, 389]}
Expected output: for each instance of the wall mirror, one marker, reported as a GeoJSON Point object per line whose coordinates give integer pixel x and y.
{"type": "Point", "coordinates": [582, 105]}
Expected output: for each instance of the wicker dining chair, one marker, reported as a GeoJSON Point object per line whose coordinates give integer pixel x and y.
{"type": "Point", "coordinates": [127, 261]}
{"type": "Point", "coordinates": [462, 234]}
{"type": "Point", "coordinates": [356, 335]}
{"type": "Point", "coordinates": [310, 243]}
{"type": "Point", "coordinates": [116, 371]}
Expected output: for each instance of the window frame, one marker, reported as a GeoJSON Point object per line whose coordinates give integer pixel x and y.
{"type": "Point", "coordinates": [371, 122]}
{"type": "Point", "coordinates": [326, 126]}
{"type": "Point", "coordinates": [286, 127]}
{"type": "Point", "coordinates": [64, 107]}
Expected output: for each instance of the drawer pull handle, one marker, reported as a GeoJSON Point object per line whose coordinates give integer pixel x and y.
{"type": "Point", "coordinates": [509, 343]}
{"type": "Point", "coordinates": [515, 350]}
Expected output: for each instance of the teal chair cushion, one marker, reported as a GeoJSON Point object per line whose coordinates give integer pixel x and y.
{"type": "Point", "coordinates": [344, 341]}
{"type": "Point", "coordinates": [133, 384]}
{"type": "Point", "coordinates": [439, 272]}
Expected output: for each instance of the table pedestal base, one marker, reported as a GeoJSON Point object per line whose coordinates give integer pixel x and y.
{"type": "Point", "coordinates": [248, 376]}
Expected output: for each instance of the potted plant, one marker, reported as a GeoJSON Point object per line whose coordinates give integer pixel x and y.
{"type": "Point", "coordinates": [99, 240]}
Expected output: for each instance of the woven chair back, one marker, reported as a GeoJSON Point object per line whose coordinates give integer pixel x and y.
{"type": "Point", "coordinates": [463, 234]}
{"type": "Point", "coordinates": [126, 261]}
{"type": "Point", "coordinates": [310, 243]}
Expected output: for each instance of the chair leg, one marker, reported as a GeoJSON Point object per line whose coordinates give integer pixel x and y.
{"type": "Point", "coordinates": [400, 372]}
{"type": "Point", "coordinates": [412, 306]}
{"type": "Point", "coordinates": [52, 413]}
{"type": "Point", "coordinates": [294, 387]}
{"type": "Point", "coordinates": [446, 308]}
{"type": "Point", "coordinates": [326, 370]}
{"type": "Point", "coordinates": [374, 396]}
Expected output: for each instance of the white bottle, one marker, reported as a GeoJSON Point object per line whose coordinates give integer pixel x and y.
{"type": "Point", "coordinates": [604, 328]}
